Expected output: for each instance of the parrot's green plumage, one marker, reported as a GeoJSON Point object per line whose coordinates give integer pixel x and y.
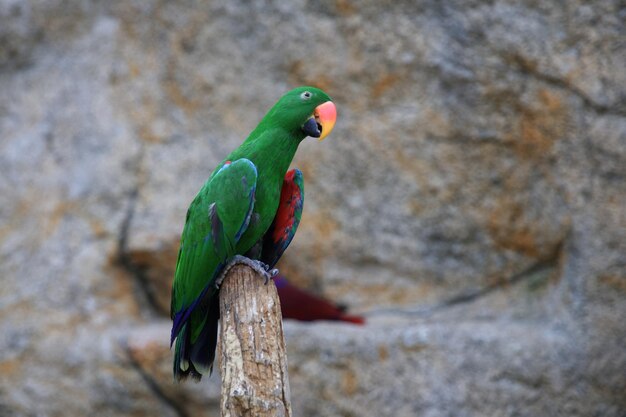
{"type": "Point", "coordinates": [231, 214]}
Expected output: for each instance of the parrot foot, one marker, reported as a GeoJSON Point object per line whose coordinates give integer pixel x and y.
{"type": "Point", "coordinates": [258, 266]}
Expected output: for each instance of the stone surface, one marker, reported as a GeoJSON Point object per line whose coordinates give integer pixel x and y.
{"type": "Point", "coordinates": [470, 201]}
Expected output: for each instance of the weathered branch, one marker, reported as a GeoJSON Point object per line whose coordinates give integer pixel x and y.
{"type": "Point", "coordinates": [253, 358]}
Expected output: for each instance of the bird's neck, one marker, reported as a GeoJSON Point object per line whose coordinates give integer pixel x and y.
{"type": "Point", "coordinates": [272, 152]}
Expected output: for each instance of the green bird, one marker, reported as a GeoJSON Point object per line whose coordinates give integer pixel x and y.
{"type": "Point", "coordinates": [246, 212]}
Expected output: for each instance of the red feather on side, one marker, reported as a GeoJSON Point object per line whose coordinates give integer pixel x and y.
{"type": "Point", "coordinates": [290, 199]}
{"type": "Point", "coordinates": [286, 220]}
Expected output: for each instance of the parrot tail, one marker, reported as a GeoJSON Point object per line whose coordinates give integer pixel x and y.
{"type": "Point", "coordinates": [299, 304]}
{"type": "Point", "coordinates": [351, 319]}
{"type": "Point", "coordinates": [196, 358]}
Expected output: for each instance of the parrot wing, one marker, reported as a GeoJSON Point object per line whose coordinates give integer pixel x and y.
{"type": "Point", "coordinates": [218, 216]}
{"type": "Point", "coordinates": [286, 220]}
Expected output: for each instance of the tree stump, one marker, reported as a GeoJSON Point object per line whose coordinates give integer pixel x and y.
{"type": "Point", "coordinates": [253, 358]}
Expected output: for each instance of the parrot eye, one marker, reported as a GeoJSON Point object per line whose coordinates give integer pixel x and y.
{"type": "Point", "coordinates": [306, 95]}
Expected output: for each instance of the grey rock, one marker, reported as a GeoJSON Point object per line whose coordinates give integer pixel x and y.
{"type": "Point", "coordinates": [470, 201]}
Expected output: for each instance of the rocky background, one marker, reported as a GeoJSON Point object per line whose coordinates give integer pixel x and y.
{"type": "Point", "coordinates": [471, 201]}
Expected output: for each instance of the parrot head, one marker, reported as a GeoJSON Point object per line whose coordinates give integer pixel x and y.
{"type": "Point", "coordinates": [307, 109]}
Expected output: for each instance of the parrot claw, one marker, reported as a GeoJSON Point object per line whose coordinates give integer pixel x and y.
{"type": "Point", "coordinates": [258, 266]}
{"type": "Point", "coordinates": [270, 274]}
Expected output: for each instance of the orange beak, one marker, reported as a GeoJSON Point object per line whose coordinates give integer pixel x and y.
{"type": "Point", "coordinates": [325, 115]}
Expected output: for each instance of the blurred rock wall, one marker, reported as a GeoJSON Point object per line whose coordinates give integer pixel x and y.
{"type": "Point", "coordinates": [471, 200]}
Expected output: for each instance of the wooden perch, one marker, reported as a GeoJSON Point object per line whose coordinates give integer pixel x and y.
{"type": "Point", "coordinates": [253, 358]}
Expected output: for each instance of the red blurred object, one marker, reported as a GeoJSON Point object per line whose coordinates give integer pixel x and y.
{"type": "Point", "coordinates": [301, 305]}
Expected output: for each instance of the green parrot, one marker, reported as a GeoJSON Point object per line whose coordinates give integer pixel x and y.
{"type": "Point", "coordinates": [246, 212]}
